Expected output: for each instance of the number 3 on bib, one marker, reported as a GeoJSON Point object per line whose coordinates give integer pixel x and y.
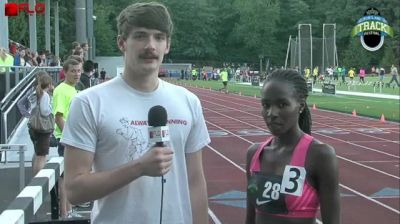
{"type": "Point", "coordinates": [293, 180]}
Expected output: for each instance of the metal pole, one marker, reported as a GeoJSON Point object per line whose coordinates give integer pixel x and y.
{"type": "Point", "coordinates": [80, 20]}
{"type": "Point", "coordinates": [3, 25]}
{"type": "Point", "coordinates": [32, 27]}
{"type": "Point", "coordinates": [323, 47]}
{"type": "Point", "coordinates": [56, 30]}
{"type": "Point", "coordinates": [311, 57]}
{"type": "Point", "coordinates": [21, 167]}
{"type": "Point", "coordinates": [299, 27]}
{"type": "Point", "coordinates": [89, 26]}
{"type": "Point", "coordinates": [47, 25]}
{"type": "Point", "coordinates": [287, 51]}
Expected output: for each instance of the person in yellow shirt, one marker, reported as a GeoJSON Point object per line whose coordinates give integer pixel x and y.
{"type": "Point", "coordinates": [307, 73]}
{"type": "Point", "coordinates": [224, 78]}
{"type": "Point", "coordinates": [351, 74]}
{"type": "Point", "coordinates": [315, 74]}
{"type": "Point", "coordinates": [62, 97]}
{"type": "Point", "coordinates": [5, 60]}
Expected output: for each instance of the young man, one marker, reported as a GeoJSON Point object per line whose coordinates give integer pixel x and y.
{"type": "Point", "coordinates": [86, 77]}
{"type": "Point", "coordinates": [62, 97]}
{"type": "Point", "coordinates": [108, 157]}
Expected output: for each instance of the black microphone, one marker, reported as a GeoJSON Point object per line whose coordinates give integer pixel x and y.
{"type": "Point", "coordinates": [158, 129]}
{"type": "Point", "coordinates": [158, 134]}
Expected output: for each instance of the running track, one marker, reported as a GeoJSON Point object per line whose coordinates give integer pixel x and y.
{"type": "Point", "coordinates": [368, 154]}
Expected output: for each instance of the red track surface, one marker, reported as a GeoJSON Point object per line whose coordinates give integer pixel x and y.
{"type": "Point", "coordinates": [368, 154]}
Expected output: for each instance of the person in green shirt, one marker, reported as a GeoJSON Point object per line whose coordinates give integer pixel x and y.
{"type": "Point", "coordinates": [62, 97]}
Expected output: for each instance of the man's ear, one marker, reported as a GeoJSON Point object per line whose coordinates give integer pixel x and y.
{"type": "Point", "coordinates": [121, 43]}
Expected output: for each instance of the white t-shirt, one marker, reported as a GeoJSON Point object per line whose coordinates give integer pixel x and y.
{"type": "Point", "coordinates": [110, 120]}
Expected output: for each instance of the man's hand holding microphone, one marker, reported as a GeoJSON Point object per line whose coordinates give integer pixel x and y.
{"type": "Point", "coordinates": [157, 161]}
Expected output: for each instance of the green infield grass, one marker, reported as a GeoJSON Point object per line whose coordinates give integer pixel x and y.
{"type": "Point", "coordinates": [364, 106]}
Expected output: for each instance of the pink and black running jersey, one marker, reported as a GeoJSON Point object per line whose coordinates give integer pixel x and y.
{"type": "Point", "coordinates": [287, 195]}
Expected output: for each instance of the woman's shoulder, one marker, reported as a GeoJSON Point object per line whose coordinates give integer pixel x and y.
{"type": "Point", "coordinates": [321, 154]}
{"type": "Point", "coordinates": [252, 150]}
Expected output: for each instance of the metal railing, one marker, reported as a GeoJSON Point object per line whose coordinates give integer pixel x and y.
{"type": "Point", "coordinates": [21, 148]}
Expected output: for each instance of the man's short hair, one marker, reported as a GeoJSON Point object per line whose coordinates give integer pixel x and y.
{"type": "Point", "coordinates": [67, 64]}
{"type": "Point", "coordinates": [76, 58]}
{"type": "Point", "coordinates": [151, 15]}
{"type": "Point", "coordinates": [88, 66]}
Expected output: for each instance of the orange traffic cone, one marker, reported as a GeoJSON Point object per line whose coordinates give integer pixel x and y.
{"type": "Point", "coordinates": [383, 118]}
{"type": "Point", "coordinates": [314, 107]}
{"type": "Point", "coordinates": [354, 113]}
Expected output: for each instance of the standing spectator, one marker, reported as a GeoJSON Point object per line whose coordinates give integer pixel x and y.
{"type": "Point", "coordinates": [362, 75]}
{"type": "Point", "coordinates": [224, 79]}
{"type": "Point", "coordinates": [62, 97]}
{"type": "Point", "coordinates": [42, 100]}
{"type": "Point", "coordinates": [343, 74]}
{"type": "Point", "coordinates": [338, 71]}
{"type": "Point", "coordinates": [108, 156]}
{"type": "Point", "coordinates": [351, 74]}
{"type": "Point", "coordinates": [381, 75]}
{"type": "Point", "coordinates": [88, 67]}
{"type": "Point", "coordinates": [102, 75]}
{"type": "Point", "coordinates": [315, 74]}
{"type": "Point", "coordinates": [395, 75]}
{"type": "Point", "coordinates": [85, 48]}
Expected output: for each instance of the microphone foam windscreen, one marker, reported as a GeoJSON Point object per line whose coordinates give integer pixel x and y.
{"type": "Point", "coordinates": [157, 116]}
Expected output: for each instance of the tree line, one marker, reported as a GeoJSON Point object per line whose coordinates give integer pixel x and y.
{"type": "Point", "coordinates": [235, 31]}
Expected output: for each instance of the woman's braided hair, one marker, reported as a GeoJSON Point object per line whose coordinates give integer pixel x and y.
{"type": "Point", "coordinates": [301, 92]}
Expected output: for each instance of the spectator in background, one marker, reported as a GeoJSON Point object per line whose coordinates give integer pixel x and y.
{"type": "Point", "coordinates": [381, 74]}
{"type": "Point", "coordinates": [362, 75]}
{"type": "Point", "coordinates": [351, 74]}
{"type": "Point", "coordinates": [5, 60]}
{"type": "Point", "coordinates": [79, 52]}
{"type": "Point", "coordinates": [395, 75]}
{"type": "Point", "coordinates": [41, 141]}
{"type": "Point", "coordinates": [75, 45]}
{"type": "Point", "coordinates": [224, 79]}
{"type": "Point", "coordinates": [13, 48]}
{"type": "Point", "coordinates": [88, 67]}
{"type": "Point", "coordinates": [85, 48]}
{"type": "Point", "coordinates": [102, 75]}
{"type": "Point", "coordinates": [343, 74]}
{"type": "Point", "coordinates": [19, 59]}
{"type": "Point", "coordinates": [41, 59]}
{"type": "Point", "coordinates": [62, 97]}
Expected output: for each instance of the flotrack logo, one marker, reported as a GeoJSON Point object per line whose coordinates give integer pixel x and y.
{"type": "Point", "coordinates": [372, 29]}
{"type": "Point", "coordinates": [13, 9]}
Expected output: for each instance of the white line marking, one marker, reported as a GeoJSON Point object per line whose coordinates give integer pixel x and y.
{"type": "Point", "coordinates": [213, 217]}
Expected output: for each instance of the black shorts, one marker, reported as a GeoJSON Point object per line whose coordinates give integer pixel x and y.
{"type": "Point", "coordinates": [41, 142]}
{"type": "Point", "coordinates": [225, 83]}
{"type": "Point", "coordinates": [60, 148]}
